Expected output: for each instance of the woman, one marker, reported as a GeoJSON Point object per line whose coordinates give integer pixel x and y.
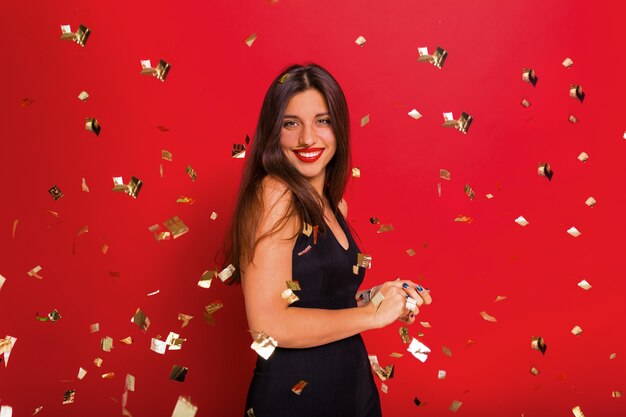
{"type": "Point", "coordinates": [290, 225]}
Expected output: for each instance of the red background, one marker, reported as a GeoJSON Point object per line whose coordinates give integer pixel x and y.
{"type": "Point", "coordinates": [211, 99]}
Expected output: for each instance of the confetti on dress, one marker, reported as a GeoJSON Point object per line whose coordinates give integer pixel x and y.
{"type": "Point", "coordinates": [419, 350]}
{"type": "Point", "coordinates": [567, 63]}
{"type": "Point", "coordinates": [207, 277]}
{"type": "Point", "coordinates": [415, 114]}
{"type": "Point", "coordinates": [578, 412]}
{"type": "Point", "coordinates": [462, 124]}
{"type": "Point", "coordinates": [250, 40]}
{"type": "Point", "coordinates": [178, 373]}
{"type": "Point", "coordinates": [297, 389]}
{"type": "Point", "coordinates": [69, 396]}
{"type": "Point", "coordinates": [293, 285]}
{"type": "Point", "coordinates": [576, 91]}
{"type": "Point", "coordinates": [360, 41]}
{"type": "Point", "coordinates": [364, 261]}
{"type": "Point", "coordinates": [573, 231]}
{"type": "Point", "coordinates": [577, 331]}
{"type": "Point", "coordinates": [487, 317]}
{"type": "Point", "coordinates": [521, 221]}
{"type": "Point", "coordinates": [454, 407]}
{"type": "Point", "coordinates": [437, 58]}
{"type": "Point", "coordinates": [263, 345]}
{"type": "Point", "coordinates": [141, 320]}
{"type": "Point", "coordinates": [184, 408]}
{"type": "Point", "coordinates": [365, 120]}
{"type": "Point", "coordinates": [537, 343]}
{"type": "Point", "coordinates": [160, 72]}
{"type": "Point", "coordinates": [80, 36]}
{"type": "Point", "coordinates": [590, 201]}
{"type": "Point", "coordinates": [55, 192]}
{"type": "Point", "coordinates": [544, 170]}
{"type": "Point", "coordinates": [529, 76]}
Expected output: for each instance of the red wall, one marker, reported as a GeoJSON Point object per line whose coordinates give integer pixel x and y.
{"type": "Point", "coordinates": [211, 99]}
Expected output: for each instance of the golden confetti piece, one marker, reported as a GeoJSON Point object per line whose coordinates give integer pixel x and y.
{"type": "Point", "coordinates": [364, 261]}
{"type": "Point", "coordinates": [158, 346]}
{"type": "Point", "coordinates": [470, 342]}
{"type": "Point", "coordinates": [293, 285]}
{"type": "Point", "coordinates": [612, 356]}
{"type": "Point", "coordinates": [83, 96]}
{"type": "Point", "coordinates": [161, 170]}
{"type": "Point", "coordinates": [584, 285]}
{"type": "Point", "coordinates": [529, 76]}
{"type": "Point", "coordinates": [81, 373]}
{"type": "Point", "coordinates": [573, 231]}
{"type": "Point", "coordinates": [184, 408]}
{"type": "Point", "coordinates": [463, 219]}
{"type": "Point", "coordinates": [97, 362]}
{"type": "Point", "coordinates": [534, 371]}
{"type": "Point", "coordinates": [92, 125]}
{"type": "Point", "coordinates": [382, 373]}
{"type": "Point", "coordinates": [572, 119]}
{"type": "Point", "coordinates": [108, 375]}
{"type": "Point", "coordinates": [396, 355]}
{"type": "Point", "coordinates": [178, 373]}
{"type": "Point", "coordinates": [578, 412]}
{"type": "Point", "coordinates": [374, 220]}
{"type": "Point", "coordinates": [462, 124]}
{"type": "Point", "coordinates": [297, 389]}
{"type": "Point", "coordinates": [385, 228]}
{"type": "Point", "coordinates": [521, 221]}
{"type": "Point", "coordinates": [185, 318]}
{"type": "Point", "coordinates": [356, 172]}
{"type": "Point", "coordinates": [150, 294]}
{"type": "Point", "coordinates": [55, 192]}
{"type": "Point", "coordinates": [127, 340]}
{"type": "Point", "coordinates": [567, 62]}
{"type": "Point", "coordinates": [437, 59]}
{"type": "Point", "coordinates": [284, 78]}
{"type": "Point", "coordinates": [95, 327]}
{"type": "Point", "coordinates": [577, 331]}
{"type": "Point", "coordinates": [26, 102]}
{"type": "Point", "coordinates": [419, 350]}
{"type": "Point", "coordinates": [525, 103]}
{"type": "Point", "coordinates": [141, 320]}
{"type": "Point", "coordinates": [426, 324]}
{"type": "Point", "coordinates": [544, 170]}
{"type": "Point", "coordinates": [576, 91]}
{"type": "Point", "coordinates": [130, 383]}
{"type": "Point", "coordinates": [404, 334]}
{"type": "Point", "coordinates": [487, 317]}
{"type": "Point", "coordinates": [500, 298]}
{"type": "Point", "coordinates": [415, 114]}
{"type": "Point", "coordinates": [35, 272]}
{"type": "Point", "coordinates": [239, 151]}
{"type": "Point", "coordinates": [210, 310]}
{"type": "Point", "coordinates": [365, 120]}
{"type": "Point", "coordinates": [469, 191]}
{"type": "Point", "coordinates": [15, 222]}
{"type": "Point", "coordinates": [590, 202]}
{"type": "Point", "coordinates": [410, 252]}
{"type": "Point", "coordinates": [307, 229]}
{"type": "Point", "coordinates": [250, 40]}
{"type": "Point", "coordinates": [6, 345]}
{"type": "Point", "coordinates": [583, 157]}
{"type": "Point", "coordinates": [2, 281]}
{"type": "Point", "coordinates": [191, 172]}
{"type": "Point", "coordinates": [360, 41]}
{"type": "Point", "coordinates": [176, 227]}
{"type": "Point", "coordinates": [166, 155]}
{"type": "Point", "coordinates": [174, 341]}
{"type": "Point", "coordinates": [106, 343]}
{"type": "Point", "coordinates": [454, 407]}
{"type": "Point", "coordinates": [82, 230]}
{"type": "Point", "coordinates": [263, 345]}
{"type": "Point", "coordinates": [160, 72]}
{"type": "Point", "coordinates": [446, 351]}
{"type": "Point", "coordinates": [226, 272]}
{"type": "Point", "coordinates": [441, 374]}
{"type": "Point", "coordinates": [384, 388]}
{"type": "Point", "coordinates": [537, 343]}
{"type": "Point", "coordinates": [444, 174]}
{"type": "Point", "coordinates": [289, 296]}
{"type": "Point", "coordinates": [616, 394]}
{"type": "Point", "coordinates": [84, 186]}
{"type": "Point", "coordinates": [207, 277]}
{"type": "Point", "coordinates": [69, 396]}
{"type": "Point", "coordinates": [80, 36]}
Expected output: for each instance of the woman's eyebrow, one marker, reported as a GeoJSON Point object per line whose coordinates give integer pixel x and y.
{"type": "Point", "coordinates": [293, 116]}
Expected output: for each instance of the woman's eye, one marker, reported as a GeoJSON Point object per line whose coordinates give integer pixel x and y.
{"type": "Point", "coordinates": [324, 121]}
{"type": "Point", "coordinates": [289, 123]}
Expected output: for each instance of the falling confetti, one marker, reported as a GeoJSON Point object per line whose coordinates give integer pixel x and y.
{"type": "Point", "coordinates": [573, 231]}
{"type": "Point", "coordinates": [544, 170]}
{"type": "Point", "coordinates": [567, 62]}
{"type": "Point", "coordinates": [419, 350]}
{"type": "Point", "coordinates": [35, 272]}
{"type": "Point", "coordinates": [141, 320]}
{"type": "Point", "coordinates": [437, 58]}
{"type": "Point", "coordinates": [226, 272]}
{"type": "Point", "coordinates": [250, 40]}
{"type": "Point", "coordinates": [537, 343]}
{"type": "Point", "coordinates": [158, 346]}
{"type": "Point", "coordinates": [178, 373]}
{"type": "Point", "coordinates": [297, 389]}
{"type": "Point", "coordinates": [487, 317]}
{"type": "Point", "coordinates": [207, 277]}
{"type": "Point", "coordinates": [360, 41]}
{"type": "Point", "coordinates": [263, 345]}
{"type": "Point", "coordinates": [463, 219]}
{"type": "Point", "coordinates": [462, 124]}
{"type": "Point", "coordinates": [521, 221]}
{"type": "Point", "coordinates": [441, 374]}
{"type": "Point", "coordinates": [578, 412]}
{"type": "Point", "coordinates": [454, 407]}
{"type": "Point", "coordinates": [69, 396]}
{"type": "Point", "coordinates": [160, 72]}
{"type": "Point", "coordinates": [2, 281]}
{"type": "Point", "coordinates": [106, 343]}
{"type": "Point", "coordinates": [525, 103]}
{"type": "Point", "coordinates": [534, 371]}
{"type": "Point", "coordinates": [446, 351]}
{"type": "Point", "coordinates": [80, 36]}
{"type": "Point", "coordinates": [583, 157]}
{"type": "Point", "coordinates": [577, 331]}
{"type": "Point", "coordinates": [590, 201]}
{"type": "Point", "coordinates": [83, 96]}
{"type": "Point", "coordinates": [6, 345]}
{"type": "Point", "coordinates": [184, 408]}
{"type": "Point", "coordinates": [185, 318]}
{"type": "Point", "coordinates": [584, 284]}
{"type": "Point", "coordinates": [356, 172]}
{"type": "Point", "coordinates": [572, 119]}
{"type": "Point", "coordinates": [415, 114]}
{"type": "Point", "coordinates": [55, 192]}
{"type": "Point", "coordinates": [576, 91]}
{"type": "Point", "coordinates": [365, 120]}
{"type": "Point", "coordinates": [92, 125]}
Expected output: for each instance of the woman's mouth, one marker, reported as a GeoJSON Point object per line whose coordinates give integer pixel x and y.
{"type": "Point", "coordinates": [309, 155]}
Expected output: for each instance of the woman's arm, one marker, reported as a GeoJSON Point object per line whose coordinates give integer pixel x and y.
{"type": "Point", "coordinates": [265, 279]}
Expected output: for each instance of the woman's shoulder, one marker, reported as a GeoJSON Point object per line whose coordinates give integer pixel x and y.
{"type": "Point", "coordinates": [273, 191]}
{"type": "Point", "coordinates": [276, 209]}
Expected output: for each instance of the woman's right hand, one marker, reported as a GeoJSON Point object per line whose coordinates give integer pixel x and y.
{"type": "Point", "coordinates": [394, 302]}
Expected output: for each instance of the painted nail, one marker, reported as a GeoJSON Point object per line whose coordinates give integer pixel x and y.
{"type": "Point", "coordinates": [419, 288]}
{"type": "Point", "coordinates": [405, 285]}
{"type": "Point", "coordinates": [412, 315]}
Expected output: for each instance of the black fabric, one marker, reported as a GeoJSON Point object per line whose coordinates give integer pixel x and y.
{"type": "Point", "coordinates": [340, 383]}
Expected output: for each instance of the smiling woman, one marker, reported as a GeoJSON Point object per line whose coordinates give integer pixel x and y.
{"type": "Point", "coordinates": [290, 225]}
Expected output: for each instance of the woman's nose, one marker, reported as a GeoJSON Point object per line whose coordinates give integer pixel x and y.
{"type": "Point", "coordinates": [307, 137]}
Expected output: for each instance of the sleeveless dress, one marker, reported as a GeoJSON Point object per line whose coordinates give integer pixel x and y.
{"type": "Point", "coordinates": [338, 375]}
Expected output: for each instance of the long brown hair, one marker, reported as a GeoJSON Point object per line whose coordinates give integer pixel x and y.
{"type": "Point", "coordinates": [265, 158]}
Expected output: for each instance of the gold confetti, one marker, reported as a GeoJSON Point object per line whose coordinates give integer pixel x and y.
{"type": "Point", "coordinates": [293, 285]}
{"type": "Point", "coordinates": [80, 36]}
{"type": "Point", "coordinates": [226, 272]}
{"type": "Point", "coordinates": [289, 296]}
{"type": "Point", "coordinates": [239, 151]}
{"type": "Point", "coordinates": [84, 186]}
{"type": "Point", "coordinates": [97, 362]}
{"type": "Point", "coordinates": [307, 229]}
{"type": "Point", "coordinates": [141, 320]}
{"type": "Point", "coordinates": [415, 114]}
{"type": "Point", "coordinates": [469, 191]}
{"type": "Point", "coordinates": [160, 72]}
{"type": "Point", "coordinates": [576, 91]}
{"type": "Point", "coordinates": [454, 407]}
{"type": "Point", "coordinates": [489, 196]}
{"type": "Point", "coordinates": [192, 173]}
{"type": "Point", "coordinates": [385, 228]}
{"type": "Point", "coordinates": [573, 231]}
{"type": "Point", "coordinates": [158, 346]}
{"type": "Point", "coordinates": [365, 120]}
{"type": "Point", "coordinates": [404, 334]}
{"type": "Point", "coordinates": [544, 170]}
{"type": "Point", "coordinates": [384, 388]}
{"type": "Point", "coordinates": [446, 351]}
{"type": "Point", "coordinates": [463, 219]}
{"type": "Point", "coordinates": [15, 222]}
{"type": "Point", "coordinates": [185, 318]}
{"type": "Point", "coordinates": [207, 277]}
{"type": "Point", "coordinates": [437, 59]}
{"type": "Point", "coordinates": [500, 298]}
{"type": "Point", "coordinates": [2, 281]}
{"type": "Point", "coordinates": [410, 252]}
{"type": "Point", "coordinates": [382, 373]}
{"type": "Point", "coordinates": [297, 389]}
{"type": "Point", "coordinates": [577, 331]}
{"type": "Point", "coordinates": [360, 41]}
{"type": "Point", "coordinates": [612, 356]}
{"type": "Point", "coordinates": [444, 174]}
{"type": "Point", "coordinates": [81, 373]}
{"type": "Point", "coordinates": [567, 62]}
{"type": "Point", "coordinates": [572, 119]}
{"type": "Point", "coordinates": [26, 102]}
{"type": "Point", "coordinates": [426, 324]}
{"type": "Point", "coordinates": [184, 408]}
{"type": "Point", "coordinates": [263, 345]}
{"type": "Point", "coordinates": [127, 340]}
{"type": "Point", "coordinates": [583, 157]}
{"type": "Point", "coordinates": [53, 316]}
{"type": "Point", "coordinates": [529, 76]}
{"type": "Point", "coordinates": [35, 272]}
{"type": "Point", "coordinates": [176, 227]}
{"type": "Point", "coordinates": [525, 103]}
{"type": "Point", "coordinates": [213, 216]}
{"type": "Point", "coordinates": [130, 382]}
{"type": "Point", "coordinates": [250, 412]}
{"type": "Point", "coordinates": [174, 341]}
{"type": "Point", "coordinates": [537, 343]}
{"type": "Point", "coordinates": [521, 221]}
{"type": "Point", "coordinates": [616, 394]}
{"type": "Point", "coordinates": [178, 373]}
{"type": "Point", "coordinates": [356, 172]}
{"type": "Point", "coordinates": [462, 124]}
{"type": "Point", "coordinates": [55, 192]}
{"type": "Point", "coordinates": [578, 412]}
{"type": "Point", "coordinates": [106, 343]}
{"type": "Point", "coordinates": [92, 125]}
{"type": "Point", "coordinates": [470, 342]}
{"type": "Point", "coordinates": [210, 310]}
{"type": "Point", "coordinates": [284, 78]}
{"type": "Point", "coordinates": [396, 355]}
{"type": "Point", "coordinates": [441, 374]}
{"type": "Point", "coordinates": [584, 284]}
{"type": "Point", "coordinates": [83, 96]}
{"type": "Point", "coordinates": [108, 375]}
{"type": "Point", "coordinates": [534, 371]}
{"type": "Point", "coordinates": [419, 350]}
{"type": "Point", "coordinates": [590, 202]}
{"type": "Point", "coordinates": [487, 317]}
{"type": "Point", "coordinates": [69, 396]}
{"type": "Point", "coordinates": [150, 294]}
{"type": "Point", "coordinates": [364, 261]}
{"type": "Point", "coordinates": [166, 155]}
{"type": "Point", "coordinates": [6, 345]}
{"type": "Point", "coordinates": [250, 40]}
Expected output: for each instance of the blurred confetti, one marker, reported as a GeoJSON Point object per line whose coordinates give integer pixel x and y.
{"type": "Point", "coordinates": [160, 72]}
{"type": "Point", "coordinates": [365, 120]}
{"type": "Point", "coordinates": [487, 317]}
{"type": "Point", "coordinates": [537, 343]}
{"type": "Point", "coordinates": [573, 231]}
{"type": "Point", "coordinates": [415, 114]}
{"type": "Point", "coordinates": [419, 350]}
{"type": "Point", "coordinates": [297, 389]}
{"type": "Point", "coordinates": [437, 58]}
{"type": "Point", "coordinates": [454, 407]}
{"type": "Point", "coordinates": [184, 408]}
{"type": "Point", "coordinates": [529, 76]}
{"type": "Point", "coordinates": [250, 39]}
{"type": "Point", "coordinates": [69, 396]}
{"type": "Point", "coordinates": [35, 272]}
{"type": "Point", "coordinates": [263, 344]}
{"type": "Point", "coordinates": [584, 284]}
{"type": "Point", "coordinates": [178, 373]}
{"type": "Point", "coordinates": [360, 41]}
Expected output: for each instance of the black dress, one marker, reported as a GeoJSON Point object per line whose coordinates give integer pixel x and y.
{"type": "Point", "coordinates": [340, 382]}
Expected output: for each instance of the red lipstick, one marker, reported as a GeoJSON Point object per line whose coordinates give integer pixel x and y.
{"type": "Point", "coordinates": [308, 155]}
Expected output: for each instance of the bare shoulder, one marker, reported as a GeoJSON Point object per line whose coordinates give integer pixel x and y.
{"type": "Point", "coordinates": [343, 208]}
{"type": "Point", "coordinates": [276, 207]}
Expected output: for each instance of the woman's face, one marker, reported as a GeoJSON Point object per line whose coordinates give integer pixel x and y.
{"type": "Point", "coordinates": [306, 137]}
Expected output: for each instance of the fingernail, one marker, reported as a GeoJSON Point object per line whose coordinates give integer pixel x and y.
{"type": "Point", "coordinates": [406, 296]}
{"type": "Point", "coordinates": [412, 315]}
{"type": "Point", "coordinates": [419, 288]}
{"type": "Point", "coordinates": [405, 285]}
